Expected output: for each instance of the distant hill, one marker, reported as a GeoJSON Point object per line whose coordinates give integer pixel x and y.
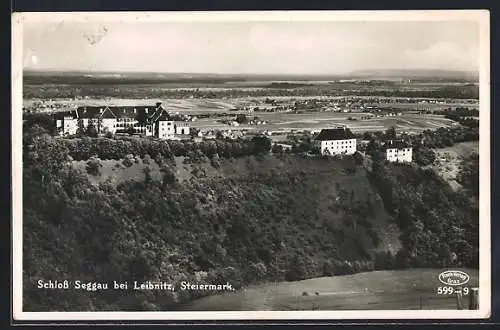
{"type": "Point", "coordinates": [416, 73]}
{"type": "Point", "coordinates": [61, 76]}
{"type": "Point", "coordinates": [175, 75]}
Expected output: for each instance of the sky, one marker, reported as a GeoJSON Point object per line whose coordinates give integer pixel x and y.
{"type": "Point", "coordinates": [251, 47]}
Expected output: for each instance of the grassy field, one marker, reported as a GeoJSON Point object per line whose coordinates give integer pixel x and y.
{"type": "Point", "coordinates": [379, 290]}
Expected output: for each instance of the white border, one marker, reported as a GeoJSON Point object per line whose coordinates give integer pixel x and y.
{"type": "Point", "coordinates": [481, 16]}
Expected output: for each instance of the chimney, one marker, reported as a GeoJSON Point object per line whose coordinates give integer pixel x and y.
{"type": "Point", "coordinates": [135, 110]}
{"type": "Point", "coordinates": [146, 110]}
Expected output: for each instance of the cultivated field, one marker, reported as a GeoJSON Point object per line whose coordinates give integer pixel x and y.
{"type": "Point", "coordinates": [196, 105]}
{"type": "Point", "coordinates": [277, 122]}
{"type": "Point", "coordinates": [378, 290]}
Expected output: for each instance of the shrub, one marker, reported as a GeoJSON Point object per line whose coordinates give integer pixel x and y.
{"type": "Point", "coordinates": [168, 176]}
{"type": "Point", "coordinates": [215, 161]}
{"type": "Point", "coordinates": [147, 159]}
{"type": "Point", "coordinates": [160, 160]}
{"type": "Point", "coordinates": [128, 160]}
{"type": "Point", "coordinates": [94, 167]}
{"type": "Point", "coordinates": [147, 175]}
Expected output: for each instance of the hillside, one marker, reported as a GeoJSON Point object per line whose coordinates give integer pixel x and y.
{"type": "Point", "coordinates": [245, 217]}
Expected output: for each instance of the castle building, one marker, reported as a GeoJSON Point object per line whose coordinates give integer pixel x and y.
{"type": "Point", "coordinates": [143, 120]}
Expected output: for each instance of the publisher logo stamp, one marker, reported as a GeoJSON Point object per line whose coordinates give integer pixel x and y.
{"type": "Point", "coordinates": [454, 277]}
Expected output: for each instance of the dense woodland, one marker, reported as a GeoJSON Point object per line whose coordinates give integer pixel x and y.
{"type": "Point", "coordinates": [285, 217]}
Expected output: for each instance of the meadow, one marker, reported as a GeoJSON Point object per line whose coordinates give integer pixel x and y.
{"type": "Point", "coordinates": [377, 290]}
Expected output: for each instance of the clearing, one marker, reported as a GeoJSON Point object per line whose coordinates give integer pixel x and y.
{"type": "Point", "coordinates": [449, 160]}
{"type": "Point", "coordinates": [377, 290]}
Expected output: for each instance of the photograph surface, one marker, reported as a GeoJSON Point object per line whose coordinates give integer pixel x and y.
{"type": "Point", "coordinates": [272, 165]}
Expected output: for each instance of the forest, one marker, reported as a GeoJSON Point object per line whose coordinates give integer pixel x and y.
{"type": "Point", "coordinates": [300, 218]}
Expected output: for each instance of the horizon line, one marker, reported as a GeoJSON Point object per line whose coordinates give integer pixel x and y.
{"type": "Point", "coordinates": [357, 71]}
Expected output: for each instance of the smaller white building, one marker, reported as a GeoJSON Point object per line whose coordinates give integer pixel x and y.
{"type": "Point", "coordinates": [336, 141]}
{"type": "Point", "coordinates": [181, 128]}
{"type": "Point", "coordinates": [166, 129]}
{"type": "Point", "coordinates": [67, 125]}
{"type": "Point", "coordinates": [398, 151]}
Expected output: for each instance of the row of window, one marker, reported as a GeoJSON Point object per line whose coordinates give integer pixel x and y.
{"type": "Point", "coordinates": [125, 119]}
{"type": "Point", "coordinates": [398, 150]}
{"type": "Point", "coordinates": [348, 142]}
{"type": "Point", "coordinates": [340, 149]}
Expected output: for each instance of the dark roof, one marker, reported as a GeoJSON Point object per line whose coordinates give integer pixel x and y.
{"type": "Point", "coordinates": [108, 113]}
{"type": "Point", "coordinates": [89, 112]}
{"type": "Point", "coordinates": [119, 111]}
{"type": "Point", "coordinates": [160, 114]}
{"type": "Point", "coordinates": [399, 144]}
{"type": "Point", "coordinates": [335, 134]}
{"type": "Point", "coordinates": [62, 114]}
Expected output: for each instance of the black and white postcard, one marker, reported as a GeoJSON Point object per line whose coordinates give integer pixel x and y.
{"type": "Point", "coordinates": [251, 165]}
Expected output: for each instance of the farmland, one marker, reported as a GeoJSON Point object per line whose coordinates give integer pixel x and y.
{"type": "Point", "coordinates": [311, 119]}
{"type": "Point", "coordinates": [283, 122]}
{"type": "Point", "coordinates": [224, 96]}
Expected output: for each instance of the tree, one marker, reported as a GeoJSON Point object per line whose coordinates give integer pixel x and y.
{"type": "Point", "coordinates": [468, 176]}
{"type": "Point", "coordinates": [93, 167]}
{"type": "Point", "coordinates": [80, 131]}
{"type": "Point", "coordinates": [261, 144]}
{"type": "Point", "coordinates": [147, 175]}
{"type": "Point", "coordinates": [277, 149]}
{"type": "Point", "coordinates": [128, 161]}
{"type": "Point", "coordinates": [91, 130]}
{"type": "Point", "coordinates": [193, 131]}
{"type": "Point", "coordinates": [241, 119]}
{"type": "Point", "coordinates": [424, 156]}
{"type": "Point", "coordinates": [41, 120]}
{"type": "Point", "coordinates": [390, 133]}
{"type": "Point", "coordinates": [215, 160]}
{"type": "Point", "coordinates": [45, 157]}
{"type": "Point", "coordinates": [168, 176]}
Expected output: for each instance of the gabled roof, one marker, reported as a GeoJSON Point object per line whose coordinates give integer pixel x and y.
{"type": "Point", "coordinates": [132, 111]}
{"type": "Point", "coordinates": [160, 114]}
{"type": "Point", "coordinates": [118, 111]}
{"type": "Point", "coordinates": [335, 134]}
{"type": "Point", "coordinates": [108, 113]}
{"type": "Point", "coordinates": [398, 144]}
{"type": "Point", "coordinates": [89, 112]}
